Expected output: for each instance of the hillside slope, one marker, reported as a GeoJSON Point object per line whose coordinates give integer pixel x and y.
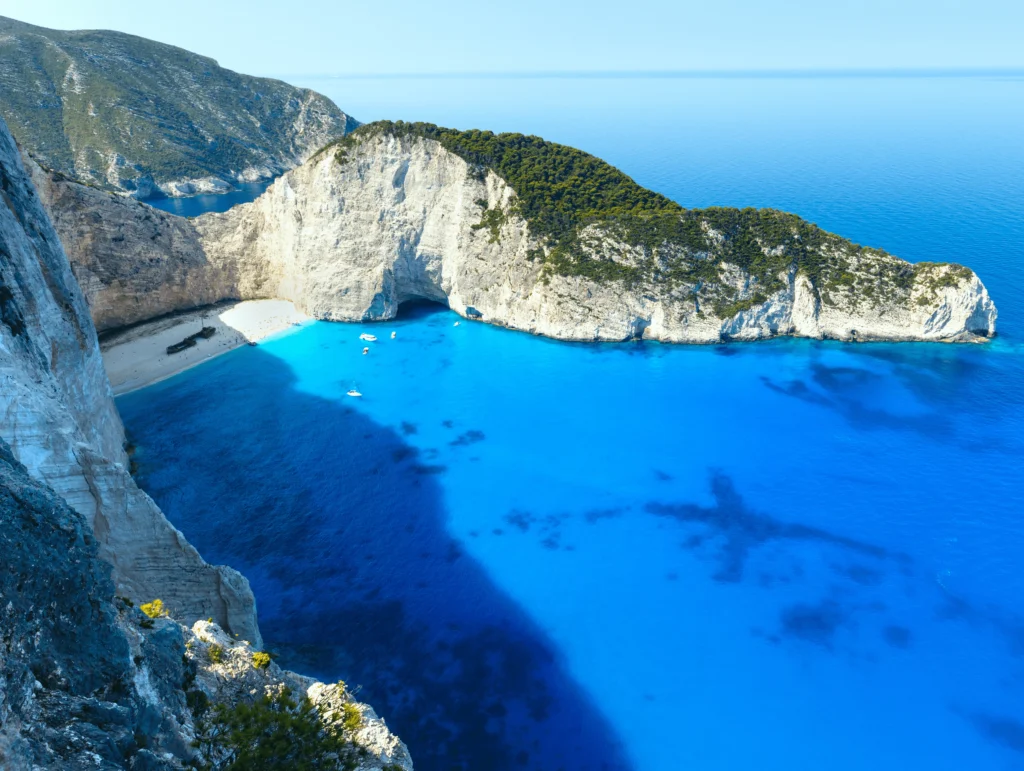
{"type": "Point", "coordinates": [126, 113]}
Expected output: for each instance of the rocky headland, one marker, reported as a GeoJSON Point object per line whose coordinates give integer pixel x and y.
{"type": "Point", "coordinates": [577, 251]}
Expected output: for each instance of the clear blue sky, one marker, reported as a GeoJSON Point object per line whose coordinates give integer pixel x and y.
{"type": "Point", "coordinates": [372, 36]}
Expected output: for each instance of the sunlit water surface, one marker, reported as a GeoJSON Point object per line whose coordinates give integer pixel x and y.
{"type": "Point", "coordinates": [538, 555]}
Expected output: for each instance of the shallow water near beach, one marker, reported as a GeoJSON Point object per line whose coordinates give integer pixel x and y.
{"type": "Point", "coordinates": [539, 555]}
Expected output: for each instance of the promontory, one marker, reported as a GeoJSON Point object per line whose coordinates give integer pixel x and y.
{"type": "Point", "coordinates": [511, 230]}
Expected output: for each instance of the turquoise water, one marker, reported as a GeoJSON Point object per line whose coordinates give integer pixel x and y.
{"type": "Point", "coordinates": [531, 554]}
{"type": "Point", "coordinates": [193, 206]}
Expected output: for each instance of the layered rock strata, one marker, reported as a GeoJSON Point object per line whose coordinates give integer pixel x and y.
{"type": "Point", "coordinates": [58, 416]}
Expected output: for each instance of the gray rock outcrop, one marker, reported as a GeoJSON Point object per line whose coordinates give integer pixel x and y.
{"type": "Point", "coordinates": [89, 682]}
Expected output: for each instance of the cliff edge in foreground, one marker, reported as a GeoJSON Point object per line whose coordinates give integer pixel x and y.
{"type": "Point", "coordinates": [90, 682]}
{"type": "Point", "coordinates": [57, 414]}
{"type": "Point", "coordinates": [87, 681]}
{"type": "Point", "coordinates": [515, 231]}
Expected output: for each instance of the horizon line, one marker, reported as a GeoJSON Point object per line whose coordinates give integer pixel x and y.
{"type": "Point", "coordinates": [710, 74]}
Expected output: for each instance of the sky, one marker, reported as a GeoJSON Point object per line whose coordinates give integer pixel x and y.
{"type": "Point", "coordinates": [337, 37]}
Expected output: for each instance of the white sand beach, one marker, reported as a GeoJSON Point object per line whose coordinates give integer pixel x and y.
{"type": "Point", "coordinates": [138, 357]}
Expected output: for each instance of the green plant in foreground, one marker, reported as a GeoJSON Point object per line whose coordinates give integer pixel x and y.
{"type": "Point", "coordinates": [353, 717]}
{"type": "Point", "coordinates": [275, 733]}
{"type": "Point", "coordinates": [154, 609]}
{"type": "Point", "coordinates": [261, 660]}
{"type": "Point", "coordinates": [216, 653]}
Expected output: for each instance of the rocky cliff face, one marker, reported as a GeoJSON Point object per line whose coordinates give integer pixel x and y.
{"type": "Point", "coordinates": [89, 682]}
{"type": "Point", "coordinates": [86, 680]}
{"type": "Point", "coordinates": [131, 114]}
{"type": "Point", "coordinates": [132, 262]}
{"type": "Point", "coordinates": [352, 234]}
{"type": "Point", "coordinates": [58, 415]}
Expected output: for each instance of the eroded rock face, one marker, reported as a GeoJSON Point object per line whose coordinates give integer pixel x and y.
{"type": "Point", "coordinates": [59, 418]}
{"type": "Point", "coordinates": [132, 262]}
{"type": "Point", "coordinates": [88, 682]}
{"type": "Point", "coordinates": [396, 218]}
{"type": "Point", "coordinates": [401, 218]}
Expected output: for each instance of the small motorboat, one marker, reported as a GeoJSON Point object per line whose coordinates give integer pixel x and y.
{"type": "Point", "coordinates": [394, 335]}
{"type": "Point", "coordinates": [353, 392]}
{"type": "Point", "coordinates": [366, 351]}
{"type": "Point", "coordinates": [455, 324]}
{"type": "Point", "coordinates": [368, 338]}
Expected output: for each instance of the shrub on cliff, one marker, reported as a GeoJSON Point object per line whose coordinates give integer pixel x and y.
{"type": "Point", "coordinates": [154, 609]}
{"type": "Point", "coordinates": [261, 660]}
{"type": "Point", "coordinates": [275, 733]}
{"type": "Point", "coordinates": [353, 719]}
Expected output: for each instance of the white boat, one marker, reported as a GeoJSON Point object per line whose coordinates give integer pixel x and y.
{"type": "Point", "coordinates": [366, 351]}
{"type": "Point", "coordinates": [353, 392]}
{"type": "Point", "coordinates": [456, 324]}
{"type": "Point", "coordinates": [394, 335]}
{"type": "Point", "coordinates": [368, 338]}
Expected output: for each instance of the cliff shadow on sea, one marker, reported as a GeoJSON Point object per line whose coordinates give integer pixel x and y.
{"type": "Point", "coordinates": [340, 525]}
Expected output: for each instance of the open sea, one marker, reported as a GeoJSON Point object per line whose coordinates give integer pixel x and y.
{"type": "Point", "coordinates": [539, 555]}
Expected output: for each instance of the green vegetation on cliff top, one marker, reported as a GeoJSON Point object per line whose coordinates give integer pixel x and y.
{"type": "Point", "coordinates": [88, 103]}
{"type": "Point", "coordinates": [561, 191]}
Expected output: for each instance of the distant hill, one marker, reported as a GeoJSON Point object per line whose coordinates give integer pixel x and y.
{"type": "Point", "coordinates": [126, 113]}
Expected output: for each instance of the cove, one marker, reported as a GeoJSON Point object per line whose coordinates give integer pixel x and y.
{"type": "Point", "coordinates": [784, 555]}
{"type": "Point", "coordinates": [532, 554]}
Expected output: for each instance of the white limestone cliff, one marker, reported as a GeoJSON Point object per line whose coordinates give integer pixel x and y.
{"type": "Point", "coordinates": [85, 679]}
{"type": "Point", "coordinates": [58, 415]}
{"type": "Point", "coordinates": [399, 218]}
{"type": "Point", "coordinates": [352, 239]}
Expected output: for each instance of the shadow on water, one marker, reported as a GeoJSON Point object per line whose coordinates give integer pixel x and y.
{"type": "Point", "coordinates": [941, 377]}
{"type": "Point", "coordinates": [340, 526]}
{"type": "Point", "coordinates": [741, 529]}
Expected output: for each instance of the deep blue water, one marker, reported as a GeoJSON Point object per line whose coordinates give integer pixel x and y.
{"type": "Point", "coordinates": [193, 206]}
{"type": "Point", "coordinates": [531, 554]}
